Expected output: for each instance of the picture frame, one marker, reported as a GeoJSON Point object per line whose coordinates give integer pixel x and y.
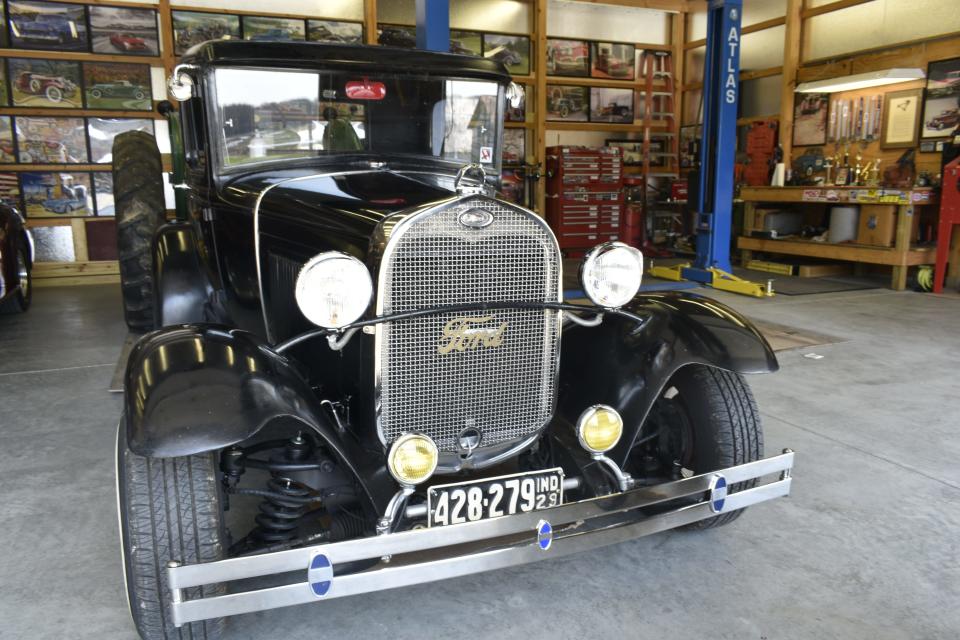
{"type": "Point", "coordinates": [51, 140]}
{"type": "Point", "coordinates": [568, 103]}
{"type": "Point", "coordinates": [941, 99]}
{"type": "Point", "coordinates": [117, 85]}
{"type": "Point", "coordinates": [4, 87]}
{"type": "Point", "coordinates": [4, 35]}
{"type": "Point", "coordinates": [567, 57]}
{"type": "Point", "coordinates": [630, 150]}
{"type": "Point", "coordinates": [901, 119]}
{"type": "Point", "coordinates": [56, 194]}
{"type": "Point", "coordinates": [513, 51]}
{"type": "Point", "coordinates": [468, 43]}
{"type": "Point", "coordinates": [513, 186]}
{"type": "Point", "coordinates": [45, 83]}
{"type": "Point", "coordinates": [810, 111]}
{"type": "Point", "coordinates": [518, 113]}
{"type": "Point", "coordinates": [514, 146]}
{"type": "Point", "coordinates": [8, 153]}
{"type": "Point", "coordinates": [103, 193]}
{"type": "Point", "coordinates": [102, 131]}
{"type": "Point", "coordinates": [194, 27]}
{"type": "Point", "coordinates": [124, 30]}
{"type": "Point", "coordinates": [339, 31]}
{"type": "Point", "coordinates": [53, 26]}
{"type": "Point", "coordinates": [397, 35]}
{"type": "Point", "coordinates": [613, 60]}
{"type": "Point", "coordinates": [611, 105]}
{"type": "Point", "coordinates": [272, 29]}
{"type": "Point", "coordinates": [10, 190]}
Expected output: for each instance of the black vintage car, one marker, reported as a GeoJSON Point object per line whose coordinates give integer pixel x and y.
{"type": "Point", "coordinates": [362, 373]}
{"type": "Point", "coordinates": [16, 261]}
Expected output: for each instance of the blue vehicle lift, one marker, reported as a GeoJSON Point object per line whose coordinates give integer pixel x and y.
{"type": "Point", "coordinates": [714, 206]}
{"type": "Point", "coordinates": [433, 25]}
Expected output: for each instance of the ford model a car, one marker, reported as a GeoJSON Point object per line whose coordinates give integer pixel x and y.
{"type": "Point", "coordinates": [363, 373]}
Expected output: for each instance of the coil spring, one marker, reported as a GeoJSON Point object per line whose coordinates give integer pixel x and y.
{"type": "Point", "coordinates": [278, 518]}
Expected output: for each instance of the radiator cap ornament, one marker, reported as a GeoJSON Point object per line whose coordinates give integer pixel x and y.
{"type": "Point", "coordinates": [476, 218]}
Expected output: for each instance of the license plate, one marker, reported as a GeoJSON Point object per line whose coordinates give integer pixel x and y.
{"type": "Point", "coordinates": [494, 497]}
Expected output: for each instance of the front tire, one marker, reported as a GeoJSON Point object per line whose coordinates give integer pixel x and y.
{"type": "Point", "coordinates": [20, 301]}
{"type": "Point", "coordinates": [169, 509]}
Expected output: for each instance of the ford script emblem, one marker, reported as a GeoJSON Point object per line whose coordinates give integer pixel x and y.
{"type": "Point", "coordinates": [475, 218]}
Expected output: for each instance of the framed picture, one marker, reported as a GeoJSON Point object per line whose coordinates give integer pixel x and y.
{"type": "Point", "coordinates": [4, 41]}
{"type": "Point", "coordinates": [102, 131]}
{"type": "Point", "coordinates": [567, 103]}
{"type": "Point", "coordinates": [568, 57]}
{"type": "Point", "coordinates": [48, 25]}
{"type": "Point", "coordinates": [518, 113]}
{"type": "Point", "coordinates": [7, 150]}
{"type": "Point", "coordinates": [810, 118]}
{"type": "Point", "coordinates": [45, 83]}
{"type": "Point", "coordinates": [901, 119]}
{"type": "Point", "coordinates": [612, 60]}
{"type": "Point", "coordinates": [56, 194]}
{"type": "Point", "coordinates": [103, 193]}
{"type": "Point", "coordinates": [194, 27]}
{"type": "Point", "coordinates": [10, 190]}
{"type": "Point", "coordinates": [395, 35]}
{"type": "Point", "coordinates": [514, 146]}
{"type": "Point", "coordinates": [265, 29]}
{"type": "Point", "coordinates": [512, 51]}
{"type": "Point", "coordinates": [630, 150]}
{"type": "Point", "coordinates": [468, 43]}
{"type": "Point", "coordinates": [51, 140]}
{"type": "Point", "coordinates": [941, 104]}
{"type": "Point", "coordinates": [513, 186]}
{"type": "Point", "coordinates": [4, 93]}
{"type": "Point", "coordinates": [124, 31]}
{"type": "Point", "coordinates": [611, 105]}
{"type": "Point", "coordinates": [116, 85]}
{"type": "Point", "coordinates": [335, 31]}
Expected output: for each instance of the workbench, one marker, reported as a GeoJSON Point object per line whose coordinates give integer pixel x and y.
{"type": "Point", "coordinates": [901, 256]}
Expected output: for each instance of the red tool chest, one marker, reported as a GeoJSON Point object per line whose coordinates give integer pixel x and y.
{"type": "Point", "coordinates": [585, 201]}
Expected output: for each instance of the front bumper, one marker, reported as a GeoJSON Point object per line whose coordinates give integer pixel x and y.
{"type": "Point", "coordinates": [428, 555]}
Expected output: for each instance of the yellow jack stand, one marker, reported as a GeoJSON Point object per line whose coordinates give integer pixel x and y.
{"type": "Point", "coordinates": [713, 277]}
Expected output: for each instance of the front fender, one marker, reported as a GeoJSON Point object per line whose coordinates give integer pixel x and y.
{"type": "Point", "coordinates": [626, 364]}
{"type": "Point", "coordinates": [182, 289]}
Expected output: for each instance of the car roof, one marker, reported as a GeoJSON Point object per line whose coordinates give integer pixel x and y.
{"type": "Point", "coordinates": [317, 55]}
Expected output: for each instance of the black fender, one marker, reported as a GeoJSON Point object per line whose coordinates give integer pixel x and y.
{"type": "Point", "coordinates": [626, 364]}
{"type": "Point", "coordinates": [196, 388]}
{"type": "Point", "coordinates": [182, 290]}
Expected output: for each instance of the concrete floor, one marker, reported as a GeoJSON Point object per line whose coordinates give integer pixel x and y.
{"type": "Point", "coordinates": [868, 546]}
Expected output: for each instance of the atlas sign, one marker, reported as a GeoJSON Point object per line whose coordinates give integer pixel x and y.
{"type": "Point", "coordinates": [733, 60]}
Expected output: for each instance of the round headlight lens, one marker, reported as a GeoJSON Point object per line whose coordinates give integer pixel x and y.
{"type": "Point", "coordinates": [412, 458]}
{"type": "Point", "coordinates": [333, 289]}
{"type": "Point", "coordinates": [599, 428]}
{"type": "Point", "coordinates": [611, 274]}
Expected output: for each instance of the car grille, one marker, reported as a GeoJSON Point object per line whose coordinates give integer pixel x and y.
{"type": "Point", "coordinates": [504, 387]}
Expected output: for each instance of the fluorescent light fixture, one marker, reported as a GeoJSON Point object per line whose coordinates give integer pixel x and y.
{"type": "Point", "coordinates": [861, 81]}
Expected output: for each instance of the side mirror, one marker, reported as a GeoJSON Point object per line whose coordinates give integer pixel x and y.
{"type": "Point", "coordinates": [514, 94]}
{"type": "Point", "coordinates": [180, 84]}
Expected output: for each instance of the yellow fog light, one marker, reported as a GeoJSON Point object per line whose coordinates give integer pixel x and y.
{"type": "Point", "coordinates": [412, 458]}
{"type": "Point", "coordinates": [599, 428]}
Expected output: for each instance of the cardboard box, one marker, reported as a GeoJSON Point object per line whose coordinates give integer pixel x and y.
{"type": "Point", "coordinates": [878, 225]}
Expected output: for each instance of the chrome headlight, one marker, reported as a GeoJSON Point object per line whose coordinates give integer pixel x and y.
{"type": "Point", "coordinates": [333, 289]}
{"type": "Point", "coordinates": [412, 458]}
{"type": "Point", "coordinates": [599, 428]}
{"type": "Point", "coordinates": [611, 274]}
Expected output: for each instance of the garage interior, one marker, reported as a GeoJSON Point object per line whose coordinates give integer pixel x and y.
{"type": "Point", "coordinates": [839, 238]}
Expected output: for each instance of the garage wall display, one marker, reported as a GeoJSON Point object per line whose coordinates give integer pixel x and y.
{"type": "Point", "coordinates": [48, 25]}
{"type": "Point", "coordinates": [567, 103]}
{"type": "Point", "coordinates": [395, 35]}
{"type": "Point", "coordinates": [466, 42]}
{"type": "Point", "coordinates": [116, 85]}
{"type": "Point", "coordinates": [514, 146]}
{"type": "Point", "coordinates": [901, 119]}
{"type": "Point", "coordinates": [611, 105]}
{"type": "Point", "coordinates": [630, 150]}
{"type": "Point", "coordinates": [268, 29]}
{"type": "Point", "coordinates": [102, 131]}
{"type": "Point", "coordinates": [7, 150]}
{"type": "Point", "coordinates": [568, 57]}
{"type": "Point", "coordinates": [56, 194]}
{"type": "Point", "coordinates": [103, 193]}
{"type": "Point", "coordinates": [45, 83]}
{"type": "Point", "coordinates": [512, 51]}
{"type": "Point", "coordinates": [810, 118]}
{"type": "Point", "coordinates": [612, 60]}
{"type": "Point", "coordinates": [4, 40]}
{"type": "Point", "coordinates": [123, 30]}
{"type": "Point", "coordinates": [335, 31]}
{"type": "Point", "coordinates": [941, 105]}
{"type": "Point", "coordinates": [51, 140]}
{"type": "Point", "coordinates": [193, 27]}
{"type": "Point", "coordinates": [10, 190]}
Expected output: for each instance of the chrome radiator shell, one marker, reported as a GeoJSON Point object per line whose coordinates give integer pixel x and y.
{"type": "Point", "coordinates": [506, 392]}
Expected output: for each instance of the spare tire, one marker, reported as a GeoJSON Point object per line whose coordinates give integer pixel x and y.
{"type": "Point", "coordinates": [140, 210]}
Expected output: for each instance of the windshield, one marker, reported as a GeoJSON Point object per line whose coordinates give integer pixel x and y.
{"type": "Point", "coordinates": [276, 114]}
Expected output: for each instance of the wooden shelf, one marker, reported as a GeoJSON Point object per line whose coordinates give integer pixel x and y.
{"type": "Point", "coordinates": [851, 252]}
{"type": "Point", "coordinates": [520, 125]}
{"type": "Point", "coordinates": [81, 56]}
{"type": "Point", "coordinates": [593, 126]}
{"type": "Point", "coordinates": [78, 113]}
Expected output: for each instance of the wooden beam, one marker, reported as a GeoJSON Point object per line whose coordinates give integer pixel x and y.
{"type": "Point", "coordinates": [247, 12]}
{"type": "Point", "coordinates": [753, 28]}
{"type": "Point", "coordinates": [851, 252]}
{"type": "Point", "coordinates": [607, 127]}
{"type": "Point", "coordinates": [74, 57]}
{"type": "Point", "coordinates": [79, 226]}
{"type": "Point", "coordinates": [830, 8]}
{"type": "Point", "coordinates": [791, 60]}
{"type": "Point", "coordinates": [78, 113]}
{"type": "Point", "coordinates": [370, 21]}
{"type": "Point", "coordinates": [673, 6]}
{"type": "Point", "coordinates": [744, 75]}
{"type": "Point", "coordinates": [167, 47]}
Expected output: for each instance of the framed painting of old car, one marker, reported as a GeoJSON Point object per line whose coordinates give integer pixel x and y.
{"type": "Point", "coordinates": [44, 83]}
{"type": "Point", "coordinates": [810, 118]}
{"type": "Point", "coordinates": [611, 105]}
{"type": "Point", "coordinates": [51, 140]}
{"type": "Point", "coordinates": [941, 100]}
{"type": "Point", "coordinates": [10, 190]}
{"type": "Point", "coordinates": [117, 85]}
{"type": "Point", "coordinates": [194, 27]}
{"type": "Point", "coordinates": [613, 60]}
{"type": "Point", "coordinates": [397, 35]}
{"type": "Point", "coordinates": [56, 194]}
{"type": "Point", "coordinates": [7, 150]}
{"type": "Point", "coordinates": [468, 43]}
{"type": "Point", "coordinates": [102, 131]}
{"type": "Point", "coordinates": [567, 102]}
{"type": "Point", "coordinates": [342, 31]}
{"type": "Point", "coordinates": [48, 25]}
{"type": "Point", "coordinates": [512, 51]}
{"type": "Point", "coordinates": [269, 29]}
{"type": "Point", "coordinates": [514, 146]}
{"type": "Point", "coordinates": [124, 30]}
{"type": "Point", "coordinates": [568, 57]}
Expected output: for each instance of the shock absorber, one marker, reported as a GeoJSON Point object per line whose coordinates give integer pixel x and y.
{"type": "Point", "coordinates": [281, 512]}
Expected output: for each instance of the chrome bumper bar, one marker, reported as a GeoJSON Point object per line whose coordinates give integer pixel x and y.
{"type": "Point", "coordinates": [427, 555]}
